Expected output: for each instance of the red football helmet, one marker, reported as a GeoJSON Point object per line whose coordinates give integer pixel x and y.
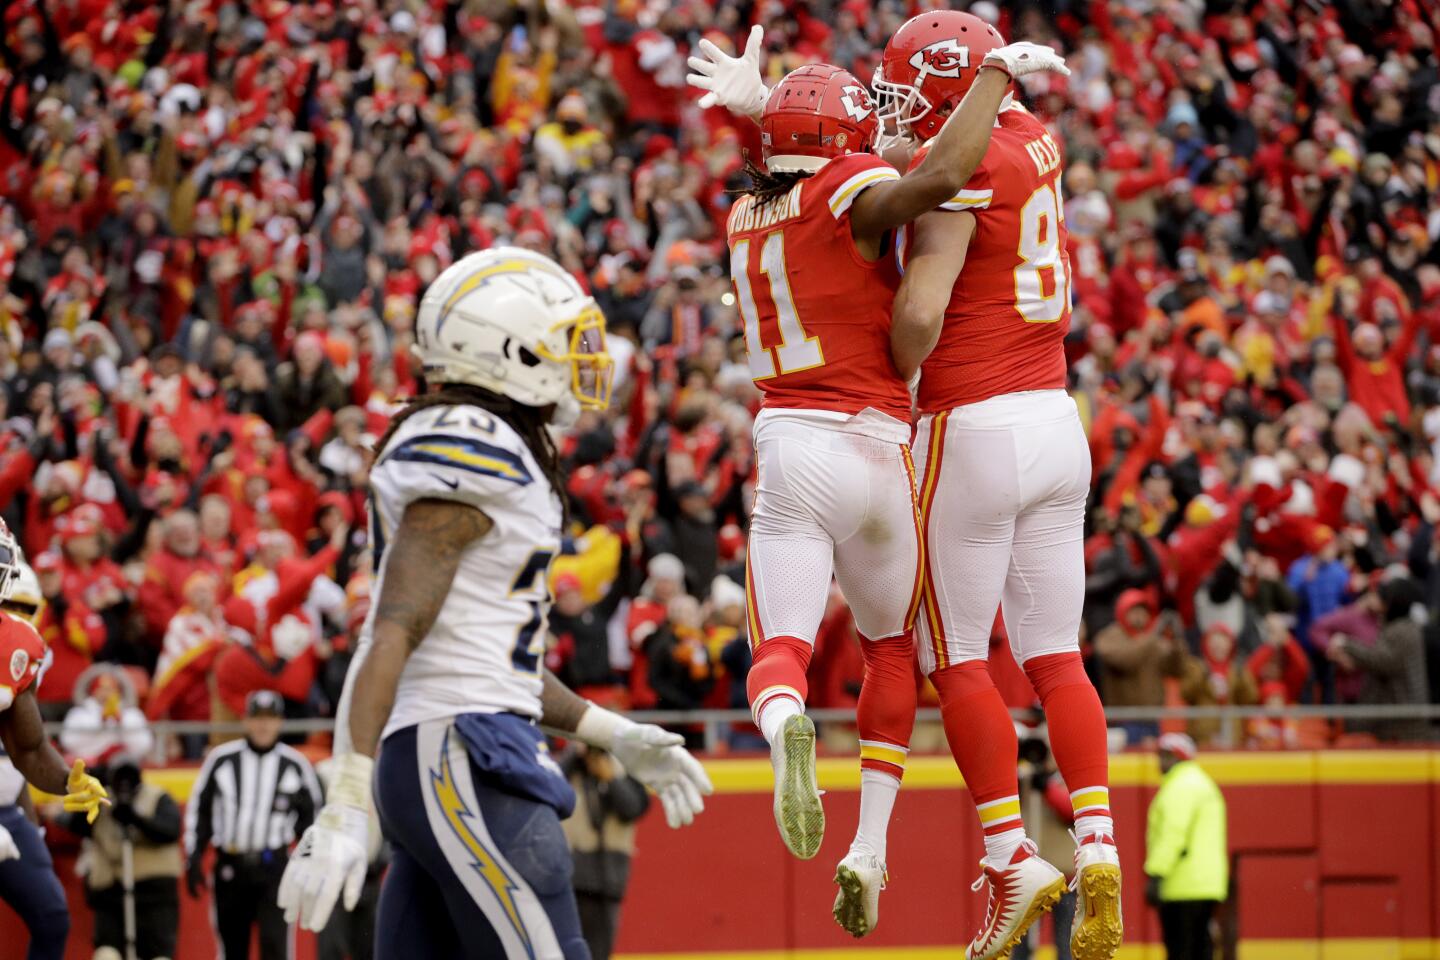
{"type": "Point", "coordinates": [817, 113]}
{"type": "Point", "coordinates": [927, 68]}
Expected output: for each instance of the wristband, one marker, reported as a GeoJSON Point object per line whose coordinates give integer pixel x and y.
{"type": "Point", "coordinates": [997, 65]}
{"type": "Point", "coordinates": [352, 821]}
{"type": "Point", "coordinates": [598, 727]}
{"type": "Point", "coordinates": [350, 780]}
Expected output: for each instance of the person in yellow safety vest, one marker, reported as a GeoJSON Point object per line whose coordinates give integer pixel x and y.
{"type": "Point", "coordinates": [1187, 861]}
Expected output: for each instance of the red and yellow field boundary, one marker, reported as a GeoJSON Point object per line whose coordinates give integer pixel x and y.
{"type": "Point", "coordinates": [753, 775]}
{"type": "Point", "coordinates": [1342, 949]}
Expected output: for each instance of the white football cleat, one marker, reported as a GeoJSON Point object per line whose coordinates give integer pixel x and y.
{"type": "Point", "coordinates": [798, 812]}
{"type": "Point", "coordinates": [861, 877]}
{"type": "Point", "coordinates": [1019, 895]}
{"type": "Point", "coordinates": [1098, 927]}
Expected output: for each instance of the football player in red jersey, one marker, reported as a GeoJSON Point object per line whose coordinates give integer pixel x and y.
{"type": "Point", "coordinates": [985, 306]}
{"type": "Point", "coordinates": [21, 730]}
{"type": "Point", "coordinates": [815, 281]}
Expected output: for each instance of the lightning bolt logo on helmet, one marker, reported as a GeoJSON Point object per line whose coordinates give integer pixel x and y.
{"type": "Point", "coordinates": [943, 58]}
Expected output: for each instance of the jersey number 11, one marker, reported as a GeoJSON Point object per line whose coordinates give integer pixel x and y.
{"type": "Point", "coordinates": [797, 350]}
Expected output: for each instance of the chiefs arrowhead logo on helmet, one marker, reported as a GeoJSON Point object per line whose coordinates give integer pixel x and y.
{"type": "Point", "coordinates": [943, 58]}
{"type": "Point", "coordinates": [817, 113]}
{"type": "Point", "coordinates": [856, 101]}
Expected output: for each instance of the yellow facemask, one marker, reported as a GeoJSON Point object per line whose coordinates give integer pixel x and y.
{"type": "Point", "coordinates": [591, 369]}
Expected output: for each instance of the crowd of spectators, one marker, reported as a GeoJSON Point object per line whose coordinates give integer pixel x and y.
{"type": "Point", "coordinates": [216, 219]}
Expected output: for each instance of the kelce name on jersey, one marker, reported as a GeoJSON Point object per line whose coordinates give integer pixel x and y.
{"type": "Point", "coordinates": [1045, 154]}
{"type": "Point", "coordinates": [749, 215]}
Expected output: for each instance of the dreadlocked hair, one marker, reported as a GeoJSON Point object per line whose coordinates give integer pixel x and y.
{"type": "Point", "coordinates": [526, 420]}
{"type": "Point", "coordinates": [766, 186]}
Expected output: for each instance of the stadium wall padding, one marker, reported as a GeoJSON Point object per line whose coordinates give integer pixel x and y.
{"type": "Point", "coordinates": [1337, 856]}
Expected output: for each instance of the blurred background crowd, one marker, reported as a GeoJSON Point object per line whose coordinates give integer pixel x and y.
{"type": "Point", "coordinates": [217, 219]}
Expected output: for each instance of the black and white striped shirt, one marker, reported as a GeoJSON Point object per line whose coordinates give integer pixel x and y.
{"type": "Point", "coordinates": [247, 802]}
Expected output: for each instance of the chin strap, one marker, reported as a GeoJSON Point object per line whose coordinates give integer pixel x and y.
{"type": "Point", "coordinates": [885, 142]}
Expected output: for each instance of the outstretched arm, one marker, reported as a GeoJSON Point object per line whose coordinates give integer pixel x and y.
{"type": "Point", "coordinates": [731, 82]}
{"type": "Point", "coordinates": [956, 153]}
{"type": "Point", "coordinates": [952, 158]}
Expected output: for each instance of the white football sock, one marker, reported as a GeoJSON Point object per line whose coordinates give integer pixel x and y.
{"type": "Point", "coordinates": [877, 799]}
{"type": "Point", "coordinates": [773, 714]}
{"type": "Point", "coordinates": [1095, 825]}
{"type": "Point", "coordinates": [1002, 846]}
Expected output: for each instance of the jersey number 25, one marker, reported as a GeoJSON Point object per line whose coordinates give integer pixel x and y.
{"type": "Point", "coordinates": [530, 585]}
{"type": "Point", "coordinates": [797, 350]}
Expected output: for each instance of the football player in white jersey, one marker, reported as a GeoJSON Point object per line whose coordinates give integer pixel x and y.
{"type": "Point", "coordinates": [465, 518]}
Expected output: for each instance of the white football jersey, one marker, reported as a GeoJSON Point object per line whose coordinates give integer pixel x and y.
{"type": "Point", "coordinates": [484, 652]}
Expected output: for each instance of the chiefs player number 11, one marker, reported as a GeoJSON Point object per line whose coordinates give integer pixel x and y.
{"type": "Point", "coordinates": [797, 350]}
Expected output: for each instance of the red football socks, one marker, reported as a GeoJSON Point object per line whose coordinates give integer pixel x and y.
{"type": "Point", "coordinates": [886, 712]}
{"type": "Point", "coordinates": [983, 742]}
{"type": "Point", "coordinates": [1076, 722]}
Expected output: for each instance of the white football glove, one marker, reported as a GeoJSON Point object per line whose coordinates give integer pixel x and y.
{"type": "Point", "coordinates": [8, 849]}
{"type": "Point", "coordinates": [653, 756]}
{"type": "Point", "coordinates": [1024, 57]}
{"type": "Point", "coordinates": [731, 82]}
{"type": "Point", "coordinates": [331, 858]}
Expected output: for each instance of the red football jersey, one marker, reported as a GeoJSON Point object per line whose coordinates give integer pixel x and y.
{"type": "Point", "coordinates": [817, 313]}
{"type": "Point", "coordinates": [21, 651]}
{"type": "Point", "coordinates": [1010, 310]}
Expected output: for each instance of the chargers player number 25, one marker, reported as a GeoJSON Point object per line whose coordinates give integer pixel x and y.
{"type": "Point", "coordinates": [797, 350]}
{"type": "Point", "coordinates": [530, 584]}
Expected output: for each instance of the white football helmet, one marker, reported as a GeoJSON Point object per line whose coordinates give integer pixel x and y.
{"type": "Point", "coordinates": [25, 601]}
{"type": "Point", "coordinates": [513, 321]}
{"type": "Point", "coordinates": [10, 561]}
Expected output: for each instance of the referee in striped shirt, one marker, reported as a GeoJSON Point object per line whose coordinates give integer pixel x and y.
{"type": "Point", "coordinates": [251, 801]}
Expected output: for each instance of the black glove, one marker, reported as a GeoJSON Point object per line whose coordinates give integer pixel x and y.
{"type": "Point", "coordinates": [1152, 891]}
{"type": "Point", "coordinates": [194, 877]}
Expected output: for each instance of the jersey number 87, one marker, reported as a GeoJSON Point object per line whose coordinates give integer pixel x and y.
{"type": "Point", "coordinates": [1039, 248]}
{"type": "Point", "coordinates": [797, 350]}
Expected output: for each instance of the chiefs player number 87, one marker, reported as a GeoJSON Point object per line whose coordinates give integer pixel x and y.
{"type": "Point", "coordinates": [1043, 267]}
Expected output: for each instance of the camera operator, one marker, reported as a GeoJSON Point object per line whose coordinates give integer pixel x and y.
{"type": "Point", "coordinates": [601, 833]}
{"type": "Point", "coordinates": [1045, 802]}
{"type": "Point", "coordinates": [132, 853]}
